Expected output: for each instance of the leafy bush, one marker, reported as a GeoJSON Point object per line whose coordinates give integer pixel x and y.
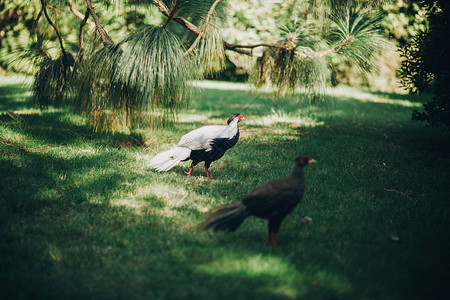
{"type": "Point", "coordinates": [427, 64]}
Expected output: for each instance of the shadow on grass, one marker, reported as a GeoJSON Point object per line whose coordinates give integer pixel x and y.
{"type": "Point", "coordinates": [14, 97]}
{"type": "Point", "coordinates": [409, 97]}
{"type": "Point", "coordinates": [60, 233]}
{"type": "Point", "coordinates": [52, 128]}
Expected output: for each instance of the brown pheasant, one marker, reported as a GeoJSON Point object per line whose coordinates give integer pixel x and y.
{"type": "Point", "coordinates": [273, 200]}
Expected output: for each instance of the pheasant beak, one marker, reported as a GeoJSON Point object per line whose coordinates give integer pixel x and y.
{"type": "Point", "coordinates": [312, 161]}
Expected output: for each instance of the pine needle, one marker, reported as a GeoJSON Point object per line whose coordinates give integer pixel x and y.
{"type": "Point", "coordinates": [142, 80]}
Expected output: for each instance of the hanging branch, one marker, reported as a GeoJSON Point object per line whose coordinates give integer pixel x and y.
{"type": "Point", "coordinates": [81, 16]}
{"type": "Point", "coordinates": [202, 33]}
{"type": "Point", "coordinates": [172, 13]}
{"type": "Point", "coordinates": [83, 22]}
{"type": "Point", "coordinates": [38, 34]}
{"type": "Point", "coordinates": [98, 26]}
{"type": "Point", "coordinates": [192, 28]}
{"type": "Point", "coordinates": [242, 48]}
{"type": "Point", "coordinates": [43, 2]}
{"type": "Point", "coordinates": [346, 42]}
{"type": "Point", "coordinates": [163, 8]}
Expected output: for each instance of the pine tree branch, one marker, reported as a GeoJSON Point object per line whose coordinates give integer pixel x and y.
{"type": "Point", "coordinates": [202, 33]}
{"type": "Point", "coordinates": [233, 46]}
{"type": "Point", "coordinates": [172, 13]}
{"type": "Point", "coordinates": [80, 15]}
{"type": "Point", "coordinates": [101, 31]}
{"type": "Point", "coordinates": [192, 28]}
{"type": "Point", "coordinates": [243, 48]}
{"type": "Point", "coordinates": [163, 8]}
{"type": "Point", "coordinates": [38, 34]}
{"type": "Point", "coordinates": [344, 44]}
{"type": "Point", "coordinates": [83, 22]}
{"type": "Point", "coordinates": [44, 3]}
{"type": "Point", "coordinates": [238, 49]}
{"type": "Point", "coordinates": [341, 46]}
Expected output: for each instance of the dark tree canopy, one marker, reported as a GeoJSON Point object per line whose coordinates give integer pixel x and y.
{"type": "Point", "coordinates": [427, 64]}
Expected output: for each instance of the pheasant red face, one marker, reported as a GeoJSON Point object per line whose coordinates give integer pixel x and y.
{"type": "Point", "coordinates": [240, 118]}
{"type": "Point", "coordinates": [305, 160]}
{"type": "Point", "coordinates": [312, 161]}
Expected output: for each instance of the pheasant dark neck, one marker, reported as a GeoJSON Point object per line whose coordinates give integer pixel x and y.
{"type": "Point", "coordinates": [298, 173]}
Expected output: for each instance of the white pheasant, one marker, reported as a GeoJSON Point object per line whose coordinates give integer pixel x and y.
{"type": "Point", "coordinates": [208, 143]}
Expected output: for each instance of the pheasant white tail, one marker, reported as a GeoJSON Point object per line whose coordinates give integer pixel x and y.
{"type": "Point", "coordinates": [166, 160]}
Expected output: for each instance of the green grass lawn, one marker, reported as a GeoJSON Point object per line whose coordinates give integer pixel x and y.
{"type": "Point", "coordinates": [82, 217]}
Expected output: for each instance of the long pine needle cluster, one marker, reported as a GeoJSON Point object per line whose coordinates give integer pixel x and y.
{"type": "Point", "coordinates": [142, 80]}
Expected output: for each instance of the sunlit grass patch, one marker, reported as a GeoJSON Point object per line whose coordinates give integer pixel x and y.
{"type": "Point", "coordinates": [193, 117]}
{"type": "Point", "coordinates": [363, 96]}
{"type": "Point", "coordinates": [222, 85]}
{"type": "Point", "coordinates": [22, 81]}
{"type": "Point", "coordinates": [281, 117]}
{"type": "Point", "coordinates": [9, 135]}
{"type": "Point", "coordinates": [283, 278]}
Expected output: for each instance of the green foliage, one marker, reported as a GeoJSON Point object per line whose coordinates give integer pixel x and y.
{"type": "Point", "coordinates": [28, 60]}
{"type": "Point", "coordinates": [16, 29]}
{"type": "Point", "coordinates": [141, 80]}
{"type": "Point", "coordinates": [288, 73]}
{"type": "Point", "coordinates": [414, 76]}
{"type": "Point", "coordinates": [146, 85]}
{"type": "Point", "coordinates": [196, 10]}
{"type": "Point", "coordinates": [302, 62]}
{"type": "Point", "coordinates": [365, 44]}
{"type": "Point", "coordinates": [210, 55]}
{"type": "Point", "coordinates": [426, 65]}
{"type": "Point", "coordinates": [404, 19]}
{"type": "Point", "coordinates": [50, 82]}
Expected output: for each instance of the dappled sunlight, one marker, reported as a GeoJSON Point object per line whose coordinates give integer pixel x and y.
{"type": "Point", "coordinates": [140, 200]}
{"type": "Point", "coordinates": [172, 194]}
{"type": "Point", "coordinates": [222, 85]}
{"type": "Point", "coordinates": [282, 278]}
{"type": "Point", "coordinates": [192, 117]}
{"type": "Point", "coordinates": [36, 111]}
{"type": "Point", "coordinates": [176, 196]}
{"type": "Point", "coordinates": [23, 95]}
{"type": "Point", "coordinates": [339, 91]}
{"type": "Point", "coordinates": [134, 201]}
{"type": "Point", "coordinates": [169, 197]}
{"type": "Point", "coordinates": [278, 275]}
{"type": "Point", "coordinates": [8, 135]}
{"type": "Point", "coordinates": [15, 101]}
{"type": "Point", "coordinates": [359, 95]}
{"type": "Point", "coordinates": [261, 134]}
{"type": "Point", "coordinates": [275, 118]}
{"type": "Point", "coordinates": [143, 157]}
{"type": "Point", "coordinates": [16, 79]}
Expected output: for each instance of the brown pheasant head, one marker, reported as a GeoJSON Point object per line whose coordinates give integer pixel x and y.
{"type": "Point", "coordinates": [304, 160]}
